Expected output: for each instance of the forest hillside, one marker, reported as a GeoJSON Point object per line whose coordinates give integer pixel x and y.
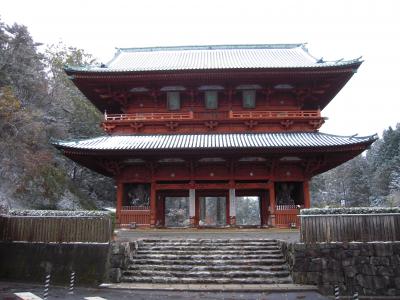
{"type": "Point", "coordinates": [37, 103]}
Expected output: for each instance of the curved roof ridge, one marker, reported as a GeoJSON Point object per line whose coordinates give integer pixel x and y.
{"type": "Point", "coordinates": [211, 47]}
{"type": "Point", "coordinates": [213, 57]}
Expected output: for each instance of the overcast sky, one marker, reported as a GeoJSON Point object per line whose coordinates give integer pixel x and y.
{"type": "Point", "coordinates": [336, 29]}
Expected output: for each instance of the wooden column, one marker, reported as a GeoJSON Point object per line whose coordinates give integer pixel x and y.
{"type": "Point", "coordinates": [272, 204]}
{"type": "Point", "coordinates": [153, 207]}
{"type": "Point", "coordinates": [232, 207]}
{"type": "Point", "coordinates": [192, 207]}
{"type": "Point", "coordinates": [264, 214]}
{"type": "Point", "coordinates": [120, 199]}
{"type": "Point", "coordinates": [306, 190]}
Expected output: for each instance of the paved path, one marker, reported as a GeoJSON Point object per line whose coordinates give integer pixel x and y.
{"type": "Point", "coordinates": [7, 291]}
{"type": "Point", "coordinates": [290, 235]}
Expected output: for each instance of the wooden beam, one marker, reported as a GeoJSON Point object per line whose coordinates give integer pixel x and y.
{"type": "Point", "coordinates": [212, 186]}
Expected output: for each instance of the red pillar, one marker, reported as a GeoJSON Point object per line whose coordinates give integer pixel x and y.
{"type": "Point", "coordinates": [153, 208]}
{"type": "Point", "coordinates": [120, 196]}
{"type": "Point", "coordinates": [306, 190]}
{"type": "Point", "coordinates": [272, 204]}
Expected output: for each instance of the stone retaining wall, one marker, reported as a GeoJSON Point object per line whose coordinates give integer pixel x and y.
{"type": "Point", "coordinates": [121, 253]}
{"type": "Point", "coordinates": [23, 261]}
{"type": "Point", "coordinates": [370, 268]}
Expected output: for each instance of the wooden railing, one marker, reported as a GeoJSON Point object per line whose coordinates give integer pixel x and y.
{"type": "Point", "coordinates": [138, 215]}
{"type": "Point", "coordinates": [299, 114]}
{"type": "Point", "coordinates": [213, 115]}
{"type": "Point", "coordinates": [149, 116]}
{"type": "Point", "coordinates": [287, 216]}
{"type": "Point", "coordinates": [55, 229]}
{"type": "Point", "coordinates": [347, 228]}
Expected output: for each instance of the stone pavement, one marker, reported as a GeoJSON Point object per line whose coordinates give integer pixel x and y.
{"type": "Point", "coordinates": [290, 235]}
{"type": "Point", "coordinates": [8, 289]}
{"type": "Point", "coordinates": [260, 288]}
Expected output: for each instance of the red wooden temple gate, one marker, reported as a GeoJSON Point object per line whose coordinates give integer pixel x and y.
{"type": "Point", "coordinates": [213, 135]}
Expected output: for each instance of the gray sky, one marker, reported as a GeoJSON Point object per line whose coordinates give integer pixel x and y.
{"type": "Point", "coordinates": [336, 29]}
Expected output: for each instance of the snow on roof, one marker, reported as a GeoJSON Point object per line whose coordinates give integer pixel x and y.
{"type": "Point", "coordinates": [214, 141]}
{"type": "Point", "coordinates": [212, 57]}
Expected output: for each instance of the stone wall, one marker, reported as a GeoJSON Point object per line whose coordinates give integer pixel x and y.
{"type": "Point", "coordinates": [22, 261]}
{"type": "Point", "coordinates": [121, 253]}
{"type": "Point", "coordinates": [369, 268]}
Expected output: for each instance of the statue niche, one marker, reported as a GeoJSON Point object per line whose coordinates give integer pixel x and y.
{"type": "Point", "coordinates": [289, 193]}
{"type": "Point", "coordinates": [136, 194]}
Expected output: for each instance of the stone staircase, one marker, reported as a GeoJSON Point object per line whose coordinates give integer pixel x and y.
{"type": "Point", "coordinates": [206, 261]}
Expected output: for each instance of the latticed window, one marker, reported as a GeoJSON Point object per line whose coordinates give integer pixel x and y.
{"type": "Point", "coordinates": [249, 98]}
{"type": "Point", "coordinates": [211, 99]}
{"type": "Point", "coordinates": [173, 100]}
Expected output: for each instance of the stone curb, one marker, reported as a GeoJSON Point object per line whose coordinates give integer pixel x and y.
{"type": "Point", "coordinates": [213, 287]}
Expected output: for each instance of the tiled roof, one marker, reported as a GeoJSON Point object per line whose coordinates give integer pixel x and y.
{"type": "Point", "coordinates": [214, 141]}
{"type": "Point", "coordinates": [212, 57]}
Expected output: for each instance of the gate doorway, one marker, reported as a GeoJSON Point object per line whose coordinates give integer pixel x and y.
{"type": "Point", "coordinates": [176, 211]}
{"type": "Point", "coordinates": [212, 209]}
{"type": "Point", "coordinates": [251, 207]}
{"type": "Point", "coordinates": [248, 211]}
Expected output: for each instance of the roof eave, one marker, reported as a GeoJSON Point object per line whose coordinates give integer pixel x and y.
{"type": "Point", "coordinates": [353, 66]}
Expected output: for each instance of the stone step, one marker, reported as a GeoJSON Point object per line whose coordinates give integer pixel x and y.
{"type": "Point", "coordinates": [208, 248]}
{"type": "Point", "coordinates": [220, 268]}
{"type": "Point", "coordinates": [208, 262]}
{"type": "Point", "coordinates": [208, 256]}
{"type": "Point", "coordinates": [214, 241]}
{"type": "Point", "coordinates": [205, 274]}
{"type": "Point", "coordinates": [206, 252]}
{"type": "Point", "coordinates": [207, 280]}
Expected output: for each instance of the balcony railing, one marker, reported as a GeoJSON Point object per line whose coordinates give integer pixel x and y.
{"type": "Point", "coordinates": [149, 116]}
{"type": "Point", "coordinates": [214, 115]}
{"type": "Point", "coordinates": [275, 114]}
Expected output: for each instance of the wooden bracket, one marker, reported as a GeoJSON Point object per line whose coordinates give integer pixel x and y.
{"type": "Point", "coordinates": [172, 125]}
{"type": "Point", "coordinates": [286, 124]}
{"type": "Point", "coordinates": [211, 124]}
{"type": "Point", "coordinates": [136, 125]}
{"type": "Point", "coordinates": [251, 124]}
{"type": "Point", "coordinates": [113, 166]}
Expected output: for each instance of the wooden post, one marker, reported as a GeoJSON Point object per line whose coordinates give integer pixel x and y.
{"type": "Point", "coordinates": [153, 207]}
{"type": "Point", "coordinates": [120, 198]}
{"type": "Point", "coordinates": [272, 204]}
{"type": "Point", "coordinates": [232, 207]}
{"type": "Point", "coordinates": [306, 190]}
{"type": "Point", "coordinates": [192, 207]}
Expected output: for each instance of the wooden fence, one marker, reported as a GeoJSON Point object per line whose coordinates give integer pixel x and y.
{"type": "Point", "coordinates": [349, 227]}
{"type": "Point", "coordinates": [55, 229]}
{"type": "Point", "coordinates": [287, 216]}
{"type": "Point", "coordinates": [140, 215]}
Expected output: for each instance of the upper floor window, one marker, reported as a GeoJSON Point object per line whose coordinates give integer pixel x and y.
{"type": "Point", "coordinates": [211, 99]}
{"type": "Point", "coordinates": [249, 98]}
{"type": "Point", "coordinates": [173, 100]}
